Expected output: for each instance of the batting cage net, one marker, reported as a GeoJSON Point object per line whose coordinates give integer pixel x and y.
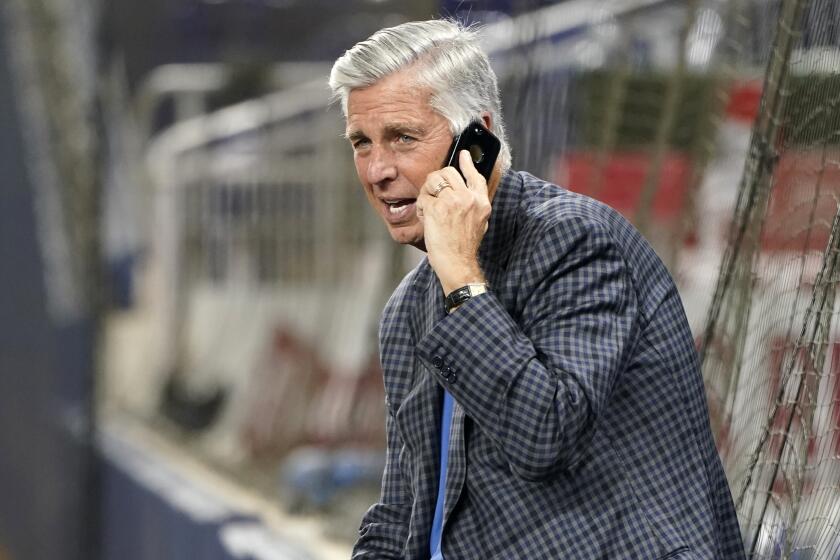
{"type": "Point", "coordinates": [715, 127]}
{"type": "Point", "coordinates": [769, 346]}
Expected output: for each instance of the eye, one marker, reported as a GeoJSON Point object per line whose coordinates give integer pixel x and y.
{"type": "Point", "coordinates": [360, 143]}
{"type": "Point", "coordinates": [406, 139]}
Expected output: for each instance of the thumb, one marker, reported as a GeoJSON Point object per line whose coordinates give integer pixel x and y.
{"type": "Point", "coordinates": [475, 180]}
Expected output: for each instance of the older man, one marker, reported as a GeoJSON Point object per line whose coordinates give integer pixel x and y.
{"type": "Point", "coordinates": [556, 408]}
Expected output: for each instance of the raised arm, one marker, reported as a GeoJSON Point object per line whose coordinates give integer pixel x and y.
{"type": "Point", "coordinates": [537, 385]}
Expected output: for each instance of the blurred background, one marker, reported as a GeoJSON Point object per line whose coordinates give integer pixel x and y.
{"type": "Point", "coordinates": [191, 280]}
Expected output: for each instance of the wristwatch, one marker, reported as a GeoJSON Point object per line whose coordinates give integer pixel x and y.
{"type": "Point", "coordinates": [462, 294]}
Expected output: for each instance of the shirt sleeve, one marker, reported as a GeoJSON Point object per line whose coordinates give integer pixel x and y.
{"type": "Point", "coordinates": [384, 528]}
{"type": "Point", "coordinates": [537, 383]}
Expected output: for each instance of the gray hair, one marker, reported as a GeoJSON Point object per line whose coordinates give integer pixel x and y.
{"type": "Point", "coordinates": [449, 61]}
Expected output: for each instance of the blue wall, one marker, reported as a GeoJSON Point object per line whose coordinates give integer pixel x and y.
{"type": "Point", "coordinates": [46, 486]}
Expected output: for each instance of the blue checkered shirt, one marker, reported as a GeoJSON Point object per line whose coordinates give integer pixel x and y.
{"type": "Point", "coordinates": [580, 428]}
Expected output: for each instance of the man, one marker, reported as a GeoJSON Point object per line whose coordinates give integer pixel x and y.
{"type": "Point", "coordinates": [556, 408]}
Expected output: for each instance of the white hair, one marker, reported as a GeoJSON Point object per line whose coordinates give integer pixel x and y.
{"type": "Point", "coordinates": [448, 60]}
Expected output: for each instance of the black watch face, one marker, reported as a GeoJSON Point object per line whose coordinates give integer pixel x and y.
{"type": "Point", "coordinates": [458, 297]}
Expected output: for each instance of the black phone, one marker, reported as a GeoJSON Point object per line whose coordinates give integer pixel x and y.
{"type": "Point", "coordinates": [483, 147]}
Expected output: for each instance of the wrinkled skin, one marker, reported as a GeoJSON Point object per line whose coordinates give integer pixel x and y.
{"type": "Point", "coordinates": [399, 145]}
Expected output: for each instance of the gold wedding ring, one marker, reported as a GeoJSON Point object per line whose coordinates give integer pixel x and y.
{"type": "Point", "coordinates": [440, 186]}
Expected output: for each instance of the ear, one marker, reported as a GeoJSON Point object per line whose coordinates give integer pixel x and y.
{"type": "Point", "coordinates": [487, 120]}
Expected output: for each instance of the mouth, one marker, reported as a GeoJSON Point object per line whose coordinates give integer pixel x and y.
{"type": "Point", "coordinates": [398, 210]}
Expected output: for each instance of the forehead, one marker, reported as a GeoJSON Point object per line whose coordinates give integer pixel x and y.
{"type": "Point", "coordinates": [393, 98]}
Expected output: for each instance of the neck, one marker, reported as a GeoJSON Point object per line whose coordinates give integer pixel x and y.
{"type": "Point", "coordinates": [495, 179]}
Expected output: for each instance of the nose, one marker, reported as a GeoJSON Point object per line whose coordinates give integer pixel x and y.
{"type": "Point", "coordinates": [382, 166]}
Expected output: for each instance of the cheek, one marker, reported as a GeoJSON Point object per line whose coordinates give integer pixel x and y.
{"type": "Point", "coordinates": [372, 200]}
{"type": "Point", "coordinates": [360, 173]}
{"type": "Point", "coordinates": [416, 168]}
{"type": "Point", "coordinates": [409, 170]}
{"type": "Point", "coordinates": [359, 168]}
{"type": "Point", "coordinates": [431, 158]}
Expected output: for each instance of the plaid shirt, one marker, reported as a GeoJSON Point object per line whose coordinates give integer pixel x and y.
{"type": "Point", "coordinates": [580, 428]}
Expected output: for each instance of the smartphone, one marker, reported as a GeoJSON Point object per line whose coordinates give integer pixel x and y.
{"type": "Point", "coordinates": [483, 147]}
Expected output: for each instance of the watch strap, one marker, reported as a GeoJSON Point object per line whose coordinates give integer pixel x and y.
{"type": "Point", "coordinates": [462, 294]}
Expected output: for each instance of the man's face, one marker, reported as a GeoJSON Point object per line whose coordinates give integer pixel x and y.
{"type": "Point", "coordinates": [398, 139]}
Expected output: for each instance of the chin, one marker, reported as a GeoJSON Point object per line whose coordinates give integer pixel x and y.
{"type": "Point", "coordinates": [409, 236]}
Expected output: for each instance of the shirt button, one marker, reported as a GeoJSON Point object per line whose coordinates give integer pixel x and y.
{"type": "Point", "coordinates": [437, 361]}
{"type": "Point", "coordinates": [450, 374]}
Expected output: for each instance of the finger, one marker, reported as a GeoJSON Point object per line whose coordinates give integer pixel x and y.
{"type": "Point", "coordinates": [475, 180]}
{"type": "Point", "coordinates": [454, 178]}
{"type": "Point", "coordinates": [425, 203]}
{"type": "Point", "coordinates": [435, 184]}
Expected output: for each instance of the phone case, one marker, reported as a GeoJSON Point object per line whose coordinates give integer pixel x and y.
{"type": "Point", "coordinates": [483, 147]}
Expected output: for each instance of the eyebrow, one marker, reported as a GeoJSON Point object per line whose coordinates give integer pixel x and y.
{"type": "Point", "coordinates": [404, 128]}
{"type": "Point", "coordinates": [390, 129]}
{"type": "Point", "coordinates": [355, 135]}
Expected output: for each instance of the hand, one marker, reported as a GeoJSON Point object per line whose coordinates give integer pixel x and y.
{"type": "Point", "coordinates": [455, 219]}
